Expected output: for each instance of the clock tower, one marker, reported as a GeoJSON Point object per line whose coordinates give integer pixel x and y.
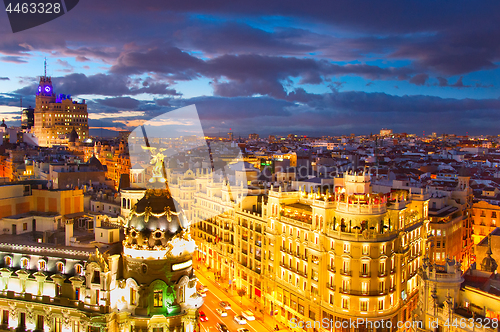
{"type": "Point", "coordinates": [45, 92]}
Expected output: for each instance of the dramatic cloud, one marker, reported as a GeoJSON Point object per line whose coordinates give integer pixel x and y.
{"type": "Point", "coordinates": [419, 79]}
{"type": "Point", "coordinates": [120, 102]}
{"type": "Point", "coordinates": [100, 84]}
{"type": "Point", "coordinates": [13, 59]}
{"type": "Point", "coordinates": [267, 64]}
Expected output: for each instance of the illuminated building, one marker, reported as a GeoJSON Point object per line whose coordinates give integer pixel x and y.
{"type": "Point", "coordinates": [115, 158]}
{"type": "Point", "coordinates": [446, 221]}
{"type": "Point", "coordinates": [338, 254]}
{"type": "Point", "coordinates": [385, 132]}
{"type": "Point", "coordinates": [450, 210]}
{"type": "Point", "coordinates": [56, 116]}
{"type": "Point", "coordinates": [28, 118]}
{"type": "Point", "coordinates": [452, 300]}
{"type": "Point", "coordinates": [144, 283]}
{"type": "Point", "coordinates": [484, 216]}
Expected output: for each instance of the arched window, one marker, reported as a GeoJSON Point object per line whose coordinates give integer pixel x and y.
{"type": "Point", "coordinates": [42, 264]}
{"type": "Point", "coordinates": [60, 267]}
{"type": "Point", "coordinates": [79, 269]}
{"type": "Point", "coordinates": [24, 263]}
{"type": "Point", "coordinates": [8, 261]}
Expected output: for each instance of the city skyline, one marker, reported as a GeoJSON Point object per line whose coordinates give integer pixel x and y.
{"type": "Point", "coordinates": [324, 69]}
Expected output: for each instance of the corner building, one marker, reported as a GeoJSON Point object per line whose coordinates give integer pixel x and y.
{"type": "Point", "coordinates": [335, 255]}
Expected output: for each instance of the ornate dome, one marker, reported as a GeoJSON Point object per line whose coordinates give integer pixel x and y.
{"type": "Point", "coordinates": [154, 221]}
{"type": "Point", "coordinates": [489, 264]}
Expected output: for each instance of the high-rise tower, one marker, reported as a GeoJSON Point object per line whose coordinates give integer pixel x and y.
{"type": "Point", "coordinates": [56, 116]}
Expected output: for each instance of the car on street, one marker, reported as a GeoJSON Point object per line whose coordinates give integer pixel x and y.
{"type": "Point", "coordinates": [203, 317]}
{"type": "Point", "coordinates": [221, 312]}
{"type": "Point", "coordinates": [222, 327]}
{"type": "Point", "coordinates": [242, 329]}
{"type": "Point", "coordinates": [225, 305]}
{"type": "Point", "coordinates": [240, 319]}
{"type": "Point", "coordinates": [248, 315]}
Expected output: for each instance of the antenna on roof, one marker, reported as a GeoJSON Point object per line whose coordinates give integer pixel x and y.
{"type": "Point", "coordinates": [45, 67]}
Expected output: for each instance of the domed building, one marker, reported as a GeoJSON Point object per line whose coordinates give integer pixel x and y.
{"type": "Point", "coordinates": [144, 283]}
{"type": "Point", "coordinates": [157, 253]}
{"type": "Point", "coordinates": [157, 263]}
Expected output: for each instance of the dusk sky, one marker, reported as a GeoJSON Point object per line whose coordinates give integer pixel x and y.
{"type": "Point", "coordinates": [269, 67]}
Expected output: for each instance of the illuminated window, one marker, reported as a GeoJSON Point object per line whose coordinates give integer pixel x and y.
{"type": "Point", "coordinates": [381, 304]}
{"type": "Point", "coordinates": [381, 286]}
{"type": "Point", "coordinates": [78, 269]}
{"type": "Point", "coordinates": [60, 267]}
{"type": "Point", "coordinates": [24, 263]}
{"type": "Point", "coordinates": [345, 303]}
{"type": "Point", "coordinates": [133, 296]}
{"type": "Point", "coordinates": [364, 287]}
{"type": "Point", "coordinates": [382, 268]}
{"type": "Point", "coordinates": [158, 298]}
{"type": "Point", "coordinates": [41, 265]}
{"type": "Point", "coordinates": [8, 261]}
{"type": "Point", "coordinates": [363, 305]}
{"type": "Point", "coordinates": [366, 249]}
{"type": "Point", "coordinates": [364, 268]}
{"type": "Point", "coordinates": [181, 293]}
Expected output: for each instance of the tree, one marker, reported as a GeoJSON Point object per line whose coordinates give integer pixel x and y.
{"type": "Point", "coordinates": [241, 292]}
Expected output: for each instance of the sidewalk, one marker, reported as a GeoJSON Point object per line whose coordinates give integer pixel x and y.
{"type": "Point", "coordinates": [263, 321]}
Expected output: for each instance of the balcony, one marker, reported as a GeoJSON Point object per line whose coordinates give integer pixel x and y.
{"type": "Point", "coordinates": [365, 274]}
{"type": "Point", "coordinates": [330, 286]}
{"type": "Point", "coordinates": [331, 268]}
{"type": "Point", "coordinates": [346, 272]}
{"type": "Point", "coordinates": [382, 273]}
{"type": "Point", "coordinates": [361, 293]}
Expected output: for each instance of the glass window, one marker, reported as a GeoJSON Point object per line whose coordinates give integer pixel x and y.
{"type": "Point", "coordinates": [363, 305]}
{"type": "Point", "coordinates": [24, 263]}
{"type": "Point", "coordinates": [158, 298]}
{"type": "Point", "coordinates": [381, 304]}
{"type": "Point", "coordinates": [41, 265]}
